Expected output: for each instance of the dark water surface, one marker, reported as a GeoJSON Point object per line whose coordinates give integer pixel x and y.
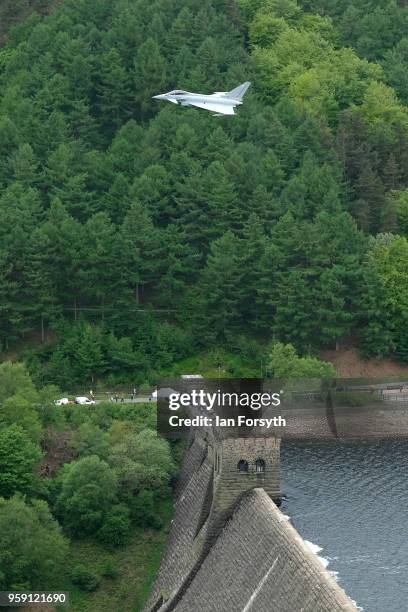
{"type": "Point", "coordinates": [351, 499]}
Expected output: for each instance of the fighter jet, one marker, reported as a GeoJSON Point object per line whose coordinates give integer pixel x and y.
{"type": "Point", "coordinates": [221, 102]}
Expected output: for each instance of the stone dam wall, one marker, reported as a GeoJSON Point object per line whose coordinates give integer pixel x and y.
{"type": "Point", "coordinates": [230, 549]}
{"type": "Point", "coordinates": [260, 563]}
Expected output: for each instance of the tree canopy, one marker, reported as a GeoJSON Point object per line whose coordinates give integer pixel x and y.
{"type": "Point", "coordinates": [135, 233]}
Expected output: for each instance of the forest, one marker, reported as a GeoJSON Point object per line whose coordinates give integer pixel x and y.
{"type": "Point", "coordinates": [85, 496]}
{"type": "Point", "coordinates": [135, 234]}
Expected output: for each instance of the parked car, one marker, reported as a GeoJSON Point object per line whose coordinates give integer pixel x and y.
{"type": "Point", "coordinates": [61, 402]}
{"type": "Point", "coordinates": [84, 400]}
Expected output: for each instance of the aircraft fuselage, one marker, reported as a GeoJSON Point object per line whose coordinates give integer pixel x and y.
{"type": "Point", "coordinates": [220, 102]}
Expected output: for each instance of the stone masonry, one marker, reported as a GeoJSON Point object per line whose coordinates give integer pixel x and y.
{"type": "Point", "coordinates": [230, 549]}
{"type": "Point", "coordinates": [259, 563]}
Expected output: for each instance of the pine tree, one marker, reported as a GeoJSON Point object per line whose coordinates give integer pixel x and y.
{"type": "Point", "coordinates": [65, 239]}
{"type": "Point", "coordinates": [152, 189]}
{"type": "Point", "coordinates": [89, 360]}
{"type": "Point", "coordinates": [191, 211]}
{"type": "Point", "coordinates": [98, 270]}
{"type": "Point", "coordinates": [222, 206]}
{"type": "Point", "coordinates": [126, 151]}
{"type": "Point", "coordinates": [220, 290]}
{"type": "Point", "coordinates": [149, 75]}
{"type": "Point", "coordinates": [182, 67]}
{"type": "Point", "coordinates": [25, 166]}
{"type": "Point", "coordinates": [38, 280]}
{"type": "Point", "coordinates": [244, 174]}
{"type": "Point", "coordinates": [20, 211]}
{"type": "Point", "coordinates": [218, 145]}
{"type": "Point", "coordinates": [388, 214]}
{"type": "Point", "coordinates": [9, 140]}
{"type": "Point", "coordinates": [370, 198]}
{"type": "Point", "coordinates": [178, 267]}
{"type": "Point", "coordinates": [65, 180]}
{"type": "Point", "coordinates": [205, 75]}
{"type": "Point", "coordinates": [264, 205]}
{"type": "Point", "coordinates": [117, 200]}
{"type": "Point", "coordinates": [391, 173]}
{"type": "Point", "coordinates": [139, 249]}
{"type": "Point", "coordinates": [271, 173]}
{"type": "Point", "coordinates": [114, 95]}
{"type": "Point", "coordinates": [401, 209]}
{"type": "Point", "coordinates": [180, 34]}
{"type": "Point", "coordinates": [251, 252]}
{"type": "Point", "coordinates": [10, 316]}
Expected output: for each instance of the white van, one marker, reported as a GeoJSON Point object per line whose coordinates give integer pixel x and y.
{"type": "Point", "coordinates": [84, 400]}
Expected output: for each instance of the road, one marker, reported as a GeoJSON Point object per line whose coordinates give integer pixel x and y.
{"type": "Point", "coordinates": [126, 400]}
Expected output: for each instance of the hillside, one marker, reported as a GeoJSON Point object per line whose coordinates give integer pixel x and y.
{"type": "Point", "coordinates": [85, 496]}
{"type": "Point", "coordinates": [12, 12]}
{"type": "Point", "coordinates": [348, 364]}
{"type": "Point", "coordinates": [138, 233]}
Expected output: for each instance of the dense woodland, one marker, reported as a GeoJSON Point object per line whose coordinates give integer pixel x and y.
{"type": "Point", "coordinates": [134, 233]}
{"type": "Point", "coordinates": [93, 476]}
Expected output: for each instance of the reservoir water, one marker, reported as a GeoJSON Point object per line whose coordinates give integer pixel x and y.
{"type": "Point", "coordinates": [351, 500]}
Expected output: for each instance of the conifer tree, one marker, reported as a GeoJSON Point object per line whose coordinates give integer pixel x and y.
{"type": "Point", "coordinates": [149, 75]}
{"type": "Point", "coordinates": [220, 290]}
{"type": "Point", "coordinates": [114, 96]}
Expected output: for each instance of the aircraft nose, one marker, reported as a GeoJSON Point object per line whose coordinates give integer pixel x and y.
{"type": "Point", "coordinates": [159, 97]}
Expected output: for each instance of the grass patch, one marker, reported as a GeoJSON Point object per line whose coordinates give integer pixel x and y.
{"type": "Point", "coordinates": [136, 564]}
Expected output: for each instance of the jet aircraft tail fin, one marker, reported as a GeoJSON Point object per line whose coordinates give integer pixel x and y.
{"type": "Point", "coordinates": [239, 92]}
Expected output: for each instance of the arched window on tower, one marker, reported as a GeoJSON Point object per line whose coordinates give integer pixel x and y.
{"type": "Point", "coordinates": [242, 465]}
{"type": "Point", "coordinates": [259, 466]}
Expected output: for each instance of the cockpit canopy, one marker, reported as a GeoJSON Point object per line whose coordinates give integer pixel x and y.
{"type": "Point", "coordinates": [176, 92]}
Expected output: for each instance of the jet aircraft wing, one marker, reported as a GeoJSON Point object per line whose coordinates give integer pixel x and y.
{"type": "Point", "coordinates": [222, 109]}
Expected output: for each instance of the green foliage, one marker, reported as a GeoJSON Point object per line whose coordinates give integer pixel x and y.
{"type": "Point", "coordinates": [110, 570]}
{"type": "Point", "coordinates": [13, 11]}
{"type": "Point", "coordinates": [155, 201]}
{"type": "Point", "coordinates": [15, 380]}
{"type": "Point", "coordinates": [84, 578]}
{"type": "Point", "coordinates": [135, 233]}
{"type": "Point", "coordinates": [84, 493]}
{"type": "Point", "coordinates": [142, 461]}
{"type": "Point", "coordinates": [32, 549]}
{"type": "Point", "coordinates": [285, 363]}
{"type": "Point", "coordinates": [17, 409]}
{"type": "Point", "coordinates": [19, 457]}
{"type": "Point", "coordinates": [115, 530]}
{"type": "Point", "coordinates": [143, 508]}
{"type": "Point", "coordinates": [385, 297]}
{"type": "Point", "coordinates": [399, 202]}
{"type": "Point", "coordinates": [220, 288]}
{"type": "Point", "coordinates": [91, 440]}
{"type": "Point", "coordinates": [88, 491]}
